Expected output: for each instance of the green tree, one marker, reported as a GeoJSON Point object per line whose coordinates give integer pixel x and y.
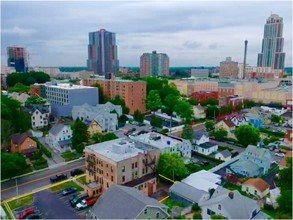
{"type": "Point", "coordinates": [169, 89]}
{"type": "Point", "coordinates": [187, 133]}
{"type": "Point", "coordinates": [218, 216]}
{"type": "Point", "coordinates": [195, 207]}
{"type": "Point", "coordinates": [239, 106]}
{"type": "Point", "coordinates": [220, 134]}
{"type": "Point", "coordinates": [212, 112]}
{"type": "Point", "coordinates": [102, 98]}
{"type": "Point", "coordinates": [118, 101]}
{"type": "Point", "coordinates": [156, 122]}
{"type": "Point", "coordinates": [247, 134]}
{"type": "Point", "coordinates": [154, 100]}
{"type": "Point", "coordinates": [154, 83]}
{"type": "Point", "coordinates": [35, 100]}
{"type": "Point", "coordinates": [276, 119]}
{"type": "Point", "coordinates": [172, 166]}
{"type": "Point", "coordinates": [209, 125]}
{"type": "Point", "coordinates": [138, 116]}
{"type": "Point", "coordinates": [19, 87]}
{"type": "Point", "coordinates": [192, 101]}
{"type": "Point", "coordinates": [99, 138]}
{"type": "Point", "coordinates": [249, 103]}
{"type": "Point", "coordinates": [209, 101]}
{"type": "Point", "coordinates": [79, 135]}
{"type": "Point", "coordinates": [27, 78]}
{"type": "Point", "coordinates": [184, 110]}
{"type": "Point", "coordinates": [170, 102]}
{"type": "Point", "coordinates": [122, 120]}
{"type": "Point", "coordinates": [12, 165]}
{"type": "Point", "coordinates": [197, 215]}
{"type": "Point", "coordinates": [30, 81]}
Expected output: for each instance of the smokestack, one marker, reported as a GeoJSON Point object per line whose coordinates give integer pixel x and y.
{"type": "Point", "coordinates": [244, 62]}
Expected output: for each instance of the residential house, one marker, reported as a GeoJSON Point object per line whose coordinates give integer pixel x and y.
{"type": "Point", "coordinates": [103, 122]}
{"type": "Point", "coordinates": [60, 137]}
{"type": "Point", "coordinates": [273, 111]}
{"type": "Point", "coordinates": [39, 117]}
{"type": "Point", "coordinates": [256, 187]}
{"type": "Point", "coordinates": [253, 162]}
{"type": "Point", "coordinates": [283, 163]}
{"type": "Point", "coordinates": [255, 120]}
{"type": "Point", "coordinates": [232, 205]}
{"type": "Point", "coordinates": [224, 155]}
{"type": "Point", "coordinates": [23, 143]}
{"type": "Point", "coordinates": [201, 137]}
{"type": "Point", "coordinates": [195, 188]}
{"type": "Point", "coordinates": [121, 202]}
{"type": "Point", "coordinates": [238, 119]}
{"type": "Point", "coordinates": [122, 162]}
{"type": "Point", "coordinates": [206, 148]}
{"type": "Point", "coordinates": [21, 97]}
{"type": "Point", "coordinates": [166, 143]}
{"type": "Point", "coordinates": [228, 126]}
{"type": "Point", "coordinates": [199, 112]}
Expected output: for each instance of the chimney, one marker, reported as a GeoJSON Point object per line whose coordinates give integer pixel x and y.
{"type": "Point", "coordinates": [244, 62]}
{"type": "Point", "coordinates": [231, 195]}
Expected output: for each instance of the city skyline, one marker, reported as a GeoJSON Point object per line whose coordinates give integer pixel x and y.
{"type": "Point", "coordinates": [192, 33]}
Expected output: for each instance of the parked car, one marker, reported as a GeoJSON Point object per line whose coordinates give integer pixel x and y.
{"type": "Point", "coordinates": [26, 213]}
{"type": "Point", "coordinates": [58, 178]}
{"type": "Point", "coordinates": [280, 154]}
{"type": "Point", "coordinates": [132, 129]}
{"type": "Point", "coordinates": [77, 198]}
{"type": "Point", "coordinates": [234, 153]}
{"type": "Point", "coordinates": [141, 124]}
{"type": "Point", "coordinates": [128, 132]}
{"type": "Point", "coordinates": [68, 191]}
{"type": "Point", "coordinates": [85, 203]}
{"type": "Point", "coordinates": [34, 216]}
{"type": "Point", "coordinates": [142, 132]}
{"type": "Point", "coordinates": [76, 172]}
{"type": "Point", "coordinates": [272, 147]}
{"type": "Point", "coordinates": [204, 163]}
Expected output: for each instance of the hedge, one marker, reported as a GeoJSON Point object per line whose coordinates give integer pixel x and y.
{"type": "Point", "coordinates": [43, 148]}
{"type": "Point", "coordinates": [272, 133]}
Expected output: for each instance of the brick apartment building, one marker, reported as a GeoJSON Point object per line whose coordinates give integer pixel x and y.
{"type": "Point", "coordinates": [205, 95]}
{"type": "Point", "coordinates": [132, 92]}
{"type": "Point", "coordinates": [121, 162]}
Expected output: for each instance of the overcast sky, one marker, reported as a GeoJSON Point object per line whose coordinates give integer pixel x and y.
{"type": "Point", "coordinates": [192, 33]}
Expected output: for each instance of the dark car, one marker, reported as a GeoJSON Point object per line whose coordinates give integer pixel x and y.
{"type": "Point", "coordinates": [26, 213]}
{"type": "Point", "coordinates": [58, 178]}
{"type": "Point", "coordinates": [34, 216]}
{"type": "Point", "coordinates": [141, 124]}
{"type": "Point", "coordinates": [234, 153]}
{"type": "Point", "coordinates": [142, 132]}
{"type": "Point", "coordinates": [204, 163]}
{"type": "Point", "coordinates": [68, 191]}
{"type": "Point", "coordinates": [77, 198]}
{"type": "Point", "coordinates": [76, 172]}
{"type": "Point", "coordinates": [132, 129]}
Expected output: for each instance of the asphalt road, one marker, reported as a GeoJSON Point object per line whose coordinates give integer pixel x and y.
{"type": "Point", "coordinates": [32, 182]}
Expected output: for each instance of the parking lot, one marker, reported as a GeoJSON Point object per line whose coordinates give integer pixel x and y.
{"type": "Point", "coordinates": [120, 131]}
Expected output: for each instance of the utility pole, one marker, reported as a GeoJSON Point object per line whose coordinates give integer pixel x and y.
{"type": "Point", "coordinates": [16, 187]}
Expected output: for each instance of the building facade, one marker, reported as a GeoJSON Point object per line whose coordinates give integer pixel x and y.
{"type": "Point", "coordinates": [205, 95]}
{"type": "Point", "coordinates": [132, 92]}
{"type": "Point", "coordinates": [272, 54]}
{"type": "Point", "coordinates": [60, 137]}
{"type": "Point", "coordinates": [200, 73]}
{"type": "Point", "coordinates": [63, 97]}
{"type": "Point", "coordinates": [228, 68]}
{"type": "Point", "coordinates": [40, 117]}
{"type": "Point", "coordinates": [17, 58]}
{"type": "Point", "coordinates": [23, 143]}
{"type": "Point", "coordinates": [102, 52]}
{"type": "Point", "coordinates": [154, 64]}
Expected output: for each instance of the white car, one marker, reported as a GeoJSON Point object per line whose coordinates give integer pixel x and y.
{"type": "Point", "coordinates": [280, 154]}
{"type": "Point", "coordinates": [81, 205]}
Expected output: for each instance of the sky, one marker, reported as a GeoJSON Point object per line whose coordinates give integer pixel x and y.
{"type": "Point", "coordinates": [191, 33]}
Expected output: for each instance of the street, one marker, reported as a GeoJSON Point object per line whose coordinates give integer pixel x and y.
{"type": "Point", "coordinates": [29, 183]}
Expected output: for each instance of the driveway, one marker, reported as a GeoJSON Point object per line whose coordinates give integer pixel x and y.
{"type": "Point", "coordinates": [56, 158]}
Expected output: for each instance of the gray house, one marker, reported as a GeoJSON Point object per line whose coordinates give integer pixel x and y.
{"type": "Point", "coordinates": [121, 202]}
{"type": "Point", "coordinates": [232, 205]}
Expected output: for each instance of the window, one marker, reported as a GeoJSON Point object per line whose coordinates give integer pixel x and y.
{"type": "Point", "coordinates": [135, 164]}
{"type": "Point", "coordinates": [123, 178]}
{"type": "Point", "coordinates": [157, 215]}
{"type": "Point", "coordinates": [112, 178]}
{"type": "Point", "coordinates": [132, 165]}
{"type": "Point", "coordinates": [145, 211]}
{"type": "Point", "coordinates": [123, 169]}
{"type": "Point", "coordinates": [107, 185]}
{"type": "Point", "coordinates": [219, 207]}
{"type": "Point", "coordinates": [255, 192]}
{"type": "Point", "coordinates": [210, 212]}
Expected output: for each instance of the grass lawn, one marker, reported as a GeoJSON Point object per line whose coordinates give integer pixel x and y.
{"type": "Point", "coordinates": [271, 213]}
{"type": "Point", "coordinates": [67, 156]}
{"type": "Point", "coordinates": [171, 203]}
{"type": "Point", "coordinates": [6, 212]}
{"type": "Point", "coordinates": [21, 202]}
{"type": "Point", "coordinates": [81, 180]}
{"type": "Point", "coordinates": [65, 185]}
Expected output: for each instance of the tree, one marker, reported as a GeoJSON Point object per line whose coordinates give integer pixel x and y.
{"type": "Point", "coordinates": [187, 133]}
{"type": "Point", "coordinates": [184, 110]}
{"type": "Point", "coordinates": [30, 81]}
{"type": "Point", "coordinates": [19, 87]}
{"type": "Point", "coordinates": [220, 134]}
{"type": "Point", "coordinates": [197, 215]}
{"type": "Point", "coordinates": [209, 125]}
{"type": "Point", "coordinates": [219, 216]}
{"type": "Point", "coordinates": [192, 101]}
{"type": "Point", "coordinates": [138, 116]}
{"type": "Point", "coordinates": [195, 207]}
{"type": "Point", "coordinates": [247, 134]}
{"type": "Point", "coordinates": [170, 102]}
{"type": "Point", "coordinates": [249, 103]}
{"type": "Point", "coordinates": [118, 101]}
{"type": "Point", "coordinates": [276, 119]}
{"type": "Point", "coordinates": [12, 165]}
{"type": "Point", "coordinates": [239, 106]}
{"type": "Point", "coordinates": [154, 83]}
{"type": "Point", "coordinates": [99, 138]}
{"type": "Point", "coordinates": [156, 122]}
{"type": "Point", "coordinates": [212, 112]}
{"type": "Point", "coordinates": [102, 98]}
{"type": "Point", "coordinates": [209, 101]}
{"type": "Point", "coordinates": [168, 89]}
{"type": "Point", "coordinates": [79, 135]}
{"type": "Point", "coordinates": [35, 100]}
{"type": "Point", "coordinates": [122, 120]}
{"type": "Point", "coordinates": [154, 100]}
{"type": "Point", "coordinates": [172, 166]}
{"type": "Point", "coordinates": [27, 78]}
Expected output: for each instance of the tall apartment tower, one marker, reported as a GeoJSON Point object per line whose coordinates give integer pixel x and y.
{"type": "Point", "coordinates": [102, 52]}
{"type": "Point", "coordinates": [17, 58]}
{"type": "Point", "coordinates": [229, 68]}
{"type": "Point", "coordinates": [154, 64]}
{"type": "Point", "coordinates": [272, 54]}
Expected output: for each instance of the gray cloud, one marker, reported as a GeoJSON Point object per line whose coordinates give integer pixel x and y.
{"type": "Point", "coordinates": [191, 33]}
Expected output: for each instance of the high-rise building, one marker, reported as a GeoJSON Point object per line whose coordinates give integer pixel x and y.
{"type": "Point", "coordinates": [229, 68]}
{"type": "Point", "coordinates": [272, 54]}
{"type": "Point", "coordinates": [102, 52]}
{"type": "Point", "coordinates": [154, 64]}
{"type": "Point", "coordinates": [17, 58]}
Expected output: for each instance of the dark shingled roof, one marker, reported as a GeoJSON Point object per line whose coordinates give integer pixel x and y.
{"type": "Point", "coordinates": [226, 153]}
{"type": "Point", "coordinates": [18, 138]}
{"type": "Point", "coordinates": [200, 133]}
{"type": "Point", "coordinates": [56, 128]}
{"type": "Point", "coordinates": [207, 145]}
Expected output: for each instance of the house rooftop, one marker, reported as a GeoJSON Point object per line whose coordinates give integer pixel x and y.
{"type": "Point", "coordinates": [228, 122]}
{"type": "Point", "coordinates": [66, 86]}
{"type": "Point", "coordinates": [258, 183]}
{"type": "Point", "coordinates": [258, 152]}
{"type": "Point", "coordinates": [200, 133]}
{"type": "Point", "coordinates": [18, 138]}
{"type": "Point", "coordinates": [116, 150]}
{"type": "Point", "coordinates": [57, 128]}
{"type": "Point", "coordinates": [226, 153]}
{"type": "Point", "coordinates": [207, 145]}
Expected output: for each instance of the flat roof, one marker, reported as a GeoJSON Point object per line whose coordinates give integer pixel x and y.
{"type": "Point", "coordinates": [117, 80]}
{"type": "Point", "coordinates": [67, 86]}
{"type": "Point", "coordinates": [280, 89]}
{"type": "Point", "coordinates": [156, 140]}
{"type": "Point", "coordinates": [116, 150]}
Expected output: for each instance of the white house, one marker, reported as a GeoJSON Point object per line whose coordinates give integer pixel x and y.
{"type": "Point", "coordinates": [206, 148]}
{"type": "Point", "coordinates": [201, 137]}
{"type": "Point", "coordinates": [107, 121]}
{"type": "Point", "coordinates": [224, 155]}
{"type": "Point", "coordinates": [239, 120]}
{"type": "Point", "coordinates": [60, 137]}
{"type": "Point", "coordinates": [199, 112]}
{"type": "Point", "coordinates": [39, 117]}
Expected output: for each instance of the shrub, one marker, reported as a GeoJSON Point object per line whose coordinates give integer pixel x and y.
{"type": "Point", "coordinates": [195, 207]}
{"type": "Point", "coordinates": [37, 155]}
{"type": "Point", "coordinates": [268, 207]}
{"type": "Point", "coordinates": [197, 216]}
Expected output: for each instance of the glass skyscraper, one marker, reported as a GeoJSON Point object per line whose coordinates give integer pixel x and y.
{"type": "Point", "coordinates": [102, 52]}
{"type": "Point", "coordinates": [272, 54]}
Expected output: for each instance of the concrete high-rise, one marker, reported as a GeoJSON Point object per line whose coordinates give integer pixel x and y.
{"type": "Point", "coordinates": [154, 64]}
{"type": "Point", "coordinates": [272, 54]}
{"type": "Point", "coordinates": [17, 58]}
{"type": "Point", "coordinates": [229, 68]}
{"type": "Point", "coordinates": [102, 52]}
